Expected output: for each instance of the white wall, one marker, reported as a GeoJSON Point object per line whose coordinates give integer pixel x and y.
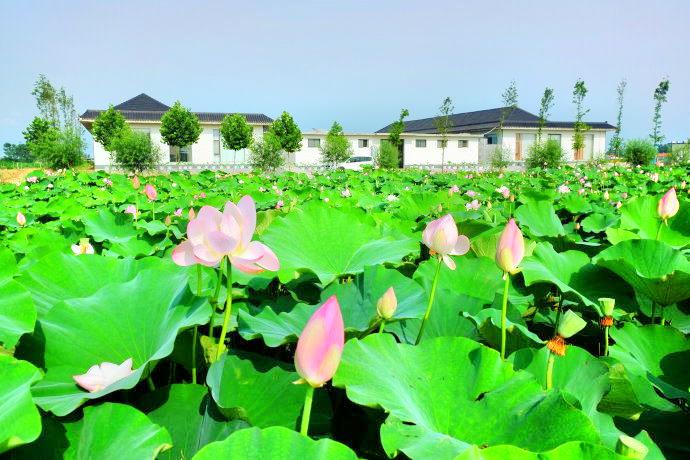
{"type": "Point", "coordinates": [432, 153]}
{"type": "Point", "coordinates": [598, 137]}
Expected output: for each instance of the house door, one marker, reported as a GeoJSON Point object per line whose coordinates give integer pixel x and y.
{"type": "Point", "coordinates": [589, 146]}
{"type": "Point", "coordinates": [523, 144]}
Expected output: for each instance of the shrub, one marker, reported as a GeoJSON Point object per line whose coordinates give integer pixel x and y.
{"type": "Point", "coordinates": [59, 149]}
{"type": "Point", "coordinates": [547, 154]}
{"type": "Point", "coordinates": [267, 154]}
{"type": "Point", "coordinates": [639, 152]}
{"type": "Point", "coordinates": [107, 126]}
{"type": "Point", "coordinates": [501, 157]}
{"type": "Point", "coordinates": [387, 156]}
{"type": "Point", "coordinates": [679, 155]}
{"type": "Point", "coordinates": [134, 151]}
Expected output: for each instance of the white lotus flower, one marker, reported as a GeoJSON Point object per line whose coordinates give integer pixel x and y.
{"type": "Point", "coordinates": [100, 376]}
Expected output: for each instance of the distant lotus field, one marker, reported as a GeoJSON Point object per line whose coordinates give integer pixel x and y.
{"type": "Point", "coordinates": [346, 315]}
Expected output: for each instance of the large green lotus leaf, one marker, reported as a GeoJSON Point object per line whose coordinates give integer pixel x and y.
{"type": "Point", "coordinates": [115, 431]}
{"type": "Point", "coordinates": [540, 218]}
{"type": "Point", "coordinates": [60, 276]}
{"type": "Point", "coordinates": [20, 421]}
{"type": "Point", "coordinates": [275, 328]}
{"type": "Point", "coordinates": [332, 242]}
{"type": "Point", "coordinates": [599, 222]}
{"type": "Point", "coordinates": [274, 443]}
{"type": "Point", "coordinates": [50, 445]}
{"type": "Point", "coordinates": [573, 274]}
{"type": "Point", "coordinates": [656, 353]}
{"type": "Point", "coordinates": [37, 241]}
{"type": "Point", "coordinates": [191, 417]}
{"type": "Point", "coordinates": [518, 335]}
{"type": "Point", "coordinates": [17, 310]}
{"type": "Point", "coordinates": [640, 214]}
{"type": "Point", "coordinates": [103, 225]}
{"type": "Point", "coordinates": [568, 451]}
{"type": "Point", "coordinates": [654, 269]}
{"type": "Point", "coordinates": [475, 277]}
{"type": "Point", "coordinates": [452, 389]}
{"type": "Point", "coordinates": [261, 398]}
{"type": "Point", "coordinates": [138, 319]}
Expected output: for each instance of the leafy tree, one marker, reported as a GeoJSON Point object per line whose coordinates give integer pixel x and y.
{"type": "Point", "coordinates": [443, 125]}
{"type": "Point", "coordinates": [544, 109]}
{"type": "Point", "coordinates": [287, 132]}
{"type": "Point", "coordinates": [134, 151]}
{"type": "Point", "coordinates": [659, 98]}
{"type": "Point", "coordinates": [616, 144]}
{"type": "Point", "coordinates": [510, 103]}
{"type": "Point", "coordinates": [59, 149]}
{"type": "Point", "coordinates": [266, 154]}
{"type": "Point", "coordinates": [236, 132]}
{"type": "Point", "coordinates": [180, 127]}
{"type": "Point", "coordinates": [37, 129]}
{"type": "Point", "coordinates": [55, 105]}
{"type": "Point", "coordinates": [548, 154]}
{"type": "Point", "coordinates": [397, 128]}
{"type": "Point", "coordinates": [336, 148]}
{"type": "Point", "coordinates": [580, 127]}
{"type": "Point", "coordinates": [387, 156]}
{"type": "Point", "coordinates": [107, 126]}
{"type": "Point", "coordinates": [17, 152]}
{"type": "Point", "coordinates": [639, 152]}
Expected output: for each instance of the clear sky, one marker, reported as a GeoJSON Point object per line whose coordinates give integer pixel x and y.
{"type": "Point", "coordinates": [357, 62]}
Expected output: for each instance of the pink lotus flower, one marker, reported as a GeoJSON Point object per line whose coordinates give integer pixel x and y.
{"type": "Point", "coordinates": [454, 189]}
{"type": "Point", "coordinates": [280, 204]}
{"type": "Point", "coordinates": [619, 205]}
{"type": "Point", "coordinates": [84, 247]}
{"type": "Point", "coordinates": [101, 376]}
{"type": "Point", "coordinates": [107, 182]}
{"type": "Point", "coordinates": [150, 192]}
{"type": "Point", "coordinates": [624, 195]}
{"type": "Point", "coordinates": [32, 179]}
{"type": "Point", "coordinates": [471, 193]}
{"type": "Point", "coordinates": [668, 204]}
{"type": "Point", "coordinates": [346, 193]}
{"type": "Point", "coordinates": [510, 249]}
{"type": "Point", "coordinates": [563, 189]}
{"type": "Point", "coordinates": [178, 212]}
{"type": "Point", "coordinates": [472, 205]}
{"type": "Point", "coordinates": [387, 304]}
{"type": "Point", "coordinates": [136, 183]}
{"type": "Point", "coordinates": [503, 190]}
{"type": "Point", "coordinates": [320, 345]}
{"type": "Point", "coordinates": [131, 209]}
{"type": "Point", "coordinates": [21, 219]}
{"type": "Point", "coordinates": [442, 238]}
{"type": "Point", "coordinates": [213, 235]}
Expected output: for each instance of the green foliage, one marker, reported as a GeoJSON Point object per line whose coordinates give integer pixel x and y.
{"type": "Point", "coordinates": [17, 152]}
{"type": "Point", "coordinates": [134, 151]}
{"type": "Point", "coordinates": [544, 109]}
{"type": "Point", "coordinates": [679, 154]}
{"type": "Point", "coordinates": [509, 98]}
{"type": "Point", "coordinates": [660, 93]}
{"type": "Point", "coordinates": [397, 128]}
{"type": "Point", "coordinates": [616, 144]}
{"type": "Point", "coordinates": [547, 154]}
{"type": "Point", "coordinates": [37, 130]}
{"type": "Point", "coordinates": [501, 157]}
{"type": "Point", "coordinates": [107, 126]}
{"type": "Point", "coordinates": [336, 147]}
{"type": "Point", "coordinates": [180, 127]}
{"type": "Point", "coordinates": [236, 132]}
{"type": "Point", "coordinates": [55, 105]}
{"type": "Point", "coordinates": [580, 127]}
{"type": "Point", "coordinates": [639, 152]}
{"type": "Point", "coordinates": [267, 154]}
{"type": "Point", "coordinates": [59, 149]}
{"type": "Point", "coordinates": [443, 125]}
{"type": "Point", "coordinates": [287, 132]}
{"type": "Point", "coordinates": [387, 156]}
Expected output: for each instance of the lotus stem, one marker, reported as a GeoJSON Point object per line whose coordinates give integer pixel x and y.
{"type": "Point", "coordinates": [196, 328]}
{"type": "Point", "coordinates": [653, 311]}
{"type": "Point", "coordinates": [606, 341]}
{"type": "Point", "coordinates": [153, 210]}
{"type": "Point", "coordinates": [658, 232]}
{"type": "Point", "coordinates": [504, 313]}
{"type": "Point", "coordinates": [228, 310]}
{"type": "Point", "coordinates": [549, 371]}
{"type": "Point", "coordinates": [149, 382]}
{"type": "Point", "coordinates": [383, 323]}
{"type": "Point", "coordinates": [214, 299]}
{"type": "Point", "coordinates": [306, 414]}
{"type": "Point", "coordinates": [430, 304]}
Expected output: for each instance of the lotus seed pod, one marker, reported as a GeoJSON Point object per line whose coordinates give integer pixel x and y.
{"type": "Point", "coordinates": [607, 305]}
{"type": "Point", "coordinates": [570, 324]}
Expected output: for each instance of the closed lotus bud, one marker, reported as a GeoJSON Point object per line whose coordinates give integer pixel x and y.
{"type": "Point", "coordinates": [136, 183]}
{"type": "Point", "coordinates": [191, 214]}
{"type": "Point", "coordinates": [387, 304]}
{"type": "Point", "coordinates": [510, 249]}
{"type": "Point", "coordinates": [631, 447]}
{"type": "Point", "coordinates": [570, 324]}
{"type": "Point", "coordinates": [21, 219]}
{"type": "Point", "coordinates": [320, 345]}
{"type": "Point", "coordinates": [150, 192]}
{"type": "Point", "coordinates": [606, 195]}
{"type": "Point", "coordinates": [668, 204]}
{"type": "Point", "coordinates": [167, 221]}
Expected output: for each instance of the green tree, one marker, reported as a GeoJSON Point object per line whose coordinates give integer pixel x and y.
{"type": "Point", "coordinates": [443, 125]}
{"type": "Point", "coordinates": [56, 106]}
{"type": "Point", "coordinates": [287, 132]}
{"type": "Point", "coordinates": [134, 151]}
{"type": "Point", "coordinates": [639, 151]}
{"type": "Point", "coordinates": [59, 149]}
{"type": "Point", "coordinates": [387, 156]}
{"type": "Point", "coordinates": [659, 98]}
{"type": "Point", "coordinates": [580, 127]}
{"type": "Point", "coordinates": [616, 144]}
{"type": "Point", "coordinates": [510, 103]}
{"type": "Point", "coordinates": [336, 147]}
{"type": "Point", "coordinates": [266, 154]}
{"type": "Point", "coordinates": [107, 126]}
{"type": "Point", "coordinates": [180, 127]}
{"type": "Point", "coordinates": [37, 129]}
{"type": "Point", "coordinates": [397, 128]}
{"type": "Point", "coordinates": [544, 109]}
{"type": "Point", "coordinates": [236, 132]}
{"type": "Point", "coordinates": [17, 152]}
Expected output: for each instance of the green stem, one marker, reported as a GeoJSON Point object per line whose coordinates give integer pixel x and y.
{"type": "Point", "coordinates": [214, 299]}
{"type": "Point", "coordinates": [196, 328]}
{"type": "Point", "coordinates": [606, 341]}
{"type": "Point", "coordinates": [658, 232]}
{"type": "Point", "coordinates": [549, 371]}
{"type": "Point", "coordinates": [153, 210]}
{"type": "Point", "coordinates": [306, 414]}
{"type": "Point", "coordinates": [383, 323]}
{"type": "Point", "coordinates": [228, 310]}
{"type": "Point", "coordinates": [431, 302]}
{"type": "Point", "coordinates": [504, 313]}
{"type": "Point", "coordinates": [149, 382]}
{"type": "Point", "coordinates": [653, 311]}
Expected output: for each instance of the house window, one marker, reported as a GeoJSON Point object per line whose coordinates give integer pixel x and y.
{"type": "Point", "coordinates": [462, 143]}
{"type": "Point", "coordinates": [363, 143]}
{"type": "Point", "coordinates": [442, 143]}
{"type": "Point", "coordinates": [266, 128]}
{"type": "Point", "coordinates": [555, 137]}
{"type": "Point", "coordinates": [314, 143]}
{"type": "Point", "coordinates": [185, 153]}
{"type": "Point", "coordinates": [492, 139]}
{"type": "Point", "coordinates": [420, 143]}
{"type": "Point", "coordinates": [216, 145]}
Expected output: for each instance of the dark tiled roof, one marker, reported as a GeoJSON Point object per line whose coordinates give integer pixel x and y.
{"type": "Point", "coordinates": [484, 120]}
{"type": "Point", "coordinates": [142, 103]}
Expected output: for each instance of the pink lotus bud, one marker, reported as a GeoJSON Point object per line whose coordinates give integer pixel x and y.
{"type": "Point", "coordinates": [101, 376]}
{"type": "Point", "coordinates": [387, 304]}
{"type": "Point", "coordinates": [178, 212]}
{"type": "Point", "coordinates": [84, 247]}
{"type": "Point", "coordinates": [320, 345]}
{"type": "Point", "coordinates": [442, 238]}
{"type": "Point", "coordinates": [280, 204]}
{"type": "Point", "coordinates": [668, 204]}
{"type": "Point", "coordinates": [510, 249]}
{"type": "Point", "coordinates": [131, 209]}
{"type": "Point", "coordinates": [191, 214]}
{"type": "Point", "coordinates": [136, 183]}
{"type": "Point", "coordinates": [167, 221]}
{"type": "Point", "coordinates": [21, 219]}
{"type": "Point", "coordinates": [150, 192]}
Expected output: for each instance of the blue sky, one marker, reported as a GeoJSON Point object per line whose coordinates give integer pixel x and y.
{"type": "Point", "coordinates": [357, 62]}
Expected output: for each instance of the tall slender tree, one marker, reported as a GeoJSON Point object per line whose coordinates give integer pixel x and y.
{"type": "Point", "coordinates": [616, 144]}
{"type": "Point", "coordinates": [397, 128]}
{"type": "Point", "coordinates": [580, 127]}
{"type": "Point", "coordinates": [443, 125]}
{"type": "Point", "coordinates": [509, 98]}
{"type": "Point", "coordinates": [544, 109]}
{"type": "Point", "coordinates": [659, 98]}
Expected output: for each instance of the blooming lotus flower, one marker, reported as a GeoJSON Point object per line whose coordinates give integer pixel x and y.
{"type": "Point", "coordinates": [136, 183]}
{"type": "Point", "coordinates": [107, 182]}
{"type": "Point", "coordinates": [472, 205]}
{"type": "Point", "coordinates": [442, 238]}
{"type": "Point", "coordinates": [387, 304]}
{"type": "Point", "coordinates": [454, 189]}
{"type": "Point", "coordinates": [471, 193]}
{"type": "Point", "coordinates": [563, 189]}
{"type": "Point", "coordinates": [510, 249]}
{"type": "Point", "coordinates": [84, 247]}
{"type": "Point", "coordinates": [503, 190]}
{"type": "Point", "coordinates": [21, 219]}
{"type": "Point", "coordinates": [100, 376]}
{"type": "Point", "coordinates": [280, 204]}
{"type": "Point", "coordinates": [320, 345]}
{"type": "Point", "coordinates": [346, 193]}
{"type": "Point", "coordinates": [32, 179]}
{"type": "Point", "coordinates": [131, 209]}
{"type": "Point", "coordinates": [668, 204]}
{"type": "Point", "coordinates": [150, 192]}
{"type": "Point", "coordinates": [213, 235]}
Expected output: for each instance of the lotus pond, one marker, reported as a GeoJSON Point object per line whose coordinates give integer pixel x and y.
{"type": "Point", "coordinates": [346, 315]}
